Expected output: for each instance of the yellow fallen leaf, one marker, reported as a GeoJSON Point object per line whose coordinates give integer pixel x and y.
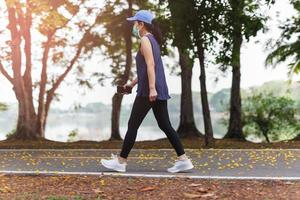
{"type": "Point", "coordinates": [102, 182]}
{"type": "Point", "coordinates": [149, 188]}
{"type": "Point", "coordinates": [191, 196]}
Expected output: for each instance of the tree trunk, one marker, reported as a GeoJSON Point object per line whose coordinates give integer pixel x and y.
{"type": "Point", "coordinates": [235, 121]}
{"type": "Point", "coordinates": [26, 32]}
{"type": "Point", "coordinates": [265, 133]}
{"type": "Point", "coordinates": [26, 124]}
{"type": "Point", "coordinates": [117, 98]}
{"type": "Point", "coordinates": [297, 137]}
{"type": "Point", "coordinates": [115, 122]}
{"type": "Point", "coordinates": [209, 139]}
{"type": "Point", "coordinates": [187, 127]}
{"type": "Point", "coordinates": [42, 107]}
{"type": "Point", "coordinates": [264, 127]}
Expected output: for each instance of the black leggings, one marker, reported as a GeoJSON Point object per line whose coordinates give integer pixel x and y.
{"type": "Point", "coordinates": [140, 108]}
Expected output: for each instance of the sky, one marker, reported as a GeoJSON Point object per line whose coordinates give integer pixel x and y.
{"type": "Point", "coordinates": [253, 71]}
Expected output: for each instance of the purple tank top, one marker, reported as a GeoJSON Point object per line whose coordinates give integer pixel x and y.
{"type": "Point", "coordinates": [160, 79]}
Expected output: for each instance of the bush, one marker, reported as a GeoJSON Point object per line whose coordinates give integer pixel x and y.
{"type": "Point", "coordinates": [3, 107]}
{"type": "Point", "coordinates": [11, 133]}
{"type": "Point", "coordinates": [72, 135]}
{"type": "Point", "coordinates": [274, 118]}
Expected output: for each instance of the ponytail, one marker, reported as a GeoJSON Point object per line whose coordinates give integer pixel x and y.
{"type": "Point", "coordinates": [155, 30]}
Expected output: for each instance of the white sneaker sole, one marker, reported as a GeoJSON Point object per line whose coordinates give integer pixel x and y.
{"type": "Point", "coordinates": [108, 167]}
{"type": "Point", "coordinates": [186, 168]}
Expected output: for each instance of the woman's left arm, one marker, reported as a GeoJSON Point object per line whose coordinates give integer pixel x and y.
{"type": "Point", "coordinates": [146, 49]}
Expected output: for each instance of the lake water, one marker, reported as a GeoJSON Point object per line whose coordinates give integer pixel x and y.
{"type": "Point", "coordinates": [96, 126]}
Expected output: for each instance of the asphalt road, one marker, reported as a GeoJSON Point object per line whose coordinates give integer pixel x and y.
{"type": "Point", "coordinates": [209, 163]}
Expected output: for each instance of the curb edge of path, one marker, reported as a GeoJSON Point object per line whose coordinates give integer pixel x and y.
{"type": "Point", "coordinates": [144, 175]}
{"type": "Point", "coordinates": [162, 149]}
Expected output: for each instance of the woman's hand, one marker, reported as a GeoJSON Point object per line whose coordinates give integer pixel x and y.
{"type": "Point", "coordinates": [152, 94]}
{"type": "Point", "coordinates": [127, 85]}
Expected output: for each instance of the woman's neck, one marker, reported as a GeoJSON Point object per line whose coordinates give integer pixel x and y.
{"type": "Point", "coordinates": [144, 32]}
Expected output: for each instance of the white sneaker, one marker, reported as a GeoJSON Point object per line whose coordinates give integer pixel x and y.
{"type": "Point", "coordinates": [181, 165]}
{"type": "Point", "coordinates": [114, 164]}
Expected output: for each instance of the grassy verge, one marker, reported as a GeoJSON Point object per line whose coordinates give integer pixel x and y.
{"type": "Point", "coordinates": [193, 143]}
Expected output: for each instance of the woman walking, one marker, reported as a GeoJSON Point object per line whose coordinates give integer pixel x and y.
{"type": "Point", "coordinates": [152, 92]}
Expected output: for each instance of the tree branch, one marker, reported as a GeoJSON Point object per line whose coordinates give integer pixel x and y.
{"type": "Point", "coordinates": [64, 74]}
{"type": "Point", "coordinates": [5, 73]}
{"type": "Point", "coordinates": [51, 92]}
{"type": "Point", "coordinates": [73, 61]}
{"type": "Point", "coordinates": [43, 80]}
{"type": "Point", "coordinates": [25, 20]}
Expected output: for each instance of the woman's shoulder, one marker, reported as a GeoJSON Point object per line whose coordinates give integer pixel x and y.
{"type": "Point", "coordinates": [145, 39]}
{"type": "Point", "coordinates": [150, 39]}
{"type": "Point", "coordinates": [145, 43]}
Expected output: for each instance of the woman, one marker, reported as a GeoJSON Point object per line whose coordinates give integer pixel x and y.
{"type": "Point", "coordinates": [152, 92]}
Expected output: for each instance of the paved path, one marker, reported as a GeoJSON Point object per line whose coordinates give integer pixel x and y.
{"type": "Point", "coordinates": [209, 163]}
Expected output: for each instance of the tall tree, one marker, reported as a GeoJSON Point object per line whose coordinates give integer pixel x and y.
{"type": "Point", "coordinates": [199, 21]}
{"type": "Point", "coordinates": [60, 48]}
{"type": "Point", "coordinates": [175, 29]}
{"type": "Point", "coordinates": [202, 33]}
{"type": "Point", "coordinates": [288, 45]}
{"type": "Point", "coordinates": [242, 19]}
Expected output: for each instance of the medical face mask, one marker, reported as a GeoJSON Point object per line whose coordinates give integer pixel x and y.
{"type": "Point", "coordinates": [136, 31]}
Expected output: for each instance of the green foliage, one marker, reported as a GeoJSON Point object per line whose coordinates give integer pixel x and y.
{"type": "Point", "coordinates": [274, 118]}
{"type": "Point", "coordinates": [72, 135]}
{"type": "Point", "coordinates": [288, 45]}
{"type": "Point", "coordinates": [60, 36]}
{"type": "Point", "coordinates": [173, 17]}
{"type": "Point", "coordinates": [240, 20]}
{"type": "Point", "coordinates": [50, 17]}
{"type": "Point", "coordinates": [166, 26]}
{"type": "Point", "coordinates": [11, 133]}
{"type": "Point", "coordinates": [194, 23]}
{"type": "Point", "coordinates": [116, 36]}
{"type": "Point", "coordinates": [3, 107]}
{"type": "Point", "coordinates": [179, 29]}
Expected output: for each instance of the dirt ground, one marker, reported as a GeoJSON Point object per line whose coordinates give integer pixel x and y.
{"type": "Point", "coordinates": [105, 187]}
{"type": "Point", "coordinates": [193, 143]}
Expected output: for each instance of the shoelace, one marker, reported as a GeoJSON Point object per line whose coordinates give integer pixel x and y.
{"type": "Point", "coordinates": [116, 157]}
{"type": "Point", "coordinates": [177, 161]}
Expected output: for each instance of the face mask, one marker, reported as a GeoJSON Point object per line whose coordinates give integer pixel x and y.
{"type": "Point", "coordinates": [136, 31]}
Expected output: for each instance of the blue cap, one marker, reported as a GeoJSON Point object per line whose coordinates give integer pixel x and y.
{"type": "Point", "coordinates": [142, 15]}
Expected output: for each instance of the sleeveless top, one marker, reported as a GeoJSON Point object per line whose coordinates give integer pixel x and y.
{"type": "Point", "coordinates": [160, 79]}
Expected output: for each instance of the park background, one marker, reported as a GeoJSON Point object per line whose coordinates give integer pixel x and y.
{"type": "Point", "coordinates": [85, 114]}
